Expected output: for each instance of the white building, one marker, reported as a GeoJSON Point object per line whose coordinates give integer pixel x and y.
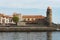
{"type": "Point", "coordinates": [8, 19]}
{"type": "Point", "coordinates": [5, 19]}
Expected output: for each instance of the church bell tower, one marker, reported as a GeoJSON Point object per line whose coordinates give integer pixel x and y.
{"type": "Point", "coordinates": [49, 16]}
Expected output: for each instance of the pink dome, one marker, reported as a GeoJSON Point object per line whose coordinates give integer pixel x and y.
{"type": "Point", "coordinates": [49, 7]}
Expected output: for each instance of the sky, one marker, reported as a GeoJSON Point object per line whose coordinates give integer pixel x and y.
{"type": "Point", "coordinates": [31, 7]}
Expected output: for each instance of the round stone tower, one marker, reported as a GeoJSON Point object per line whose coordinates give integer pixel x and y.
{"type": "Point", "coordinates": [49, 16]}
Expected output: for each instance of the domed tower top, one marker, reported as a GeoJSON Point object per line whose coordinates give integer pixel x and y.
{"type": "Point", "coordinates": [49, 7]}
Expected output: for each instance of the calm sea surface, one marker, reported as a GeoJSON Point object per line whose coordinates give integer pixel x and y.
{"type": "Point", "coordinates": [56, 36]}
{"type": "Point", "coordinates": [28, 36]}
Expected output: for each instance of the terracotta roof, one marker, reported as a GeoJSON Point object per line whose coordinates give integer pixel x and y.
{"type": "Point", "coordinates": [34, 16]}
{"type": "Point", "coordinates": [3, 15]}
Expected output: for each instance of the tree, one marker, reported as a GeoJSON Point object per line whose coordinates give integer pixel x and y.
{"type": "Point", "coordinates": [15, 19]}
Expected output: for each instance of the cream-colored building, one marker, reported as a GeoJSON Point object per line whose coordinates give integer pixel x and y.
{"type": "Point", "coordinates": [29, 18]}
{"type": "Point", "coordinates": [18, 15]}
{"type": "Point", "coordinates": [5, 19]}
{"type": "Point", "coordinates": [8, 19]}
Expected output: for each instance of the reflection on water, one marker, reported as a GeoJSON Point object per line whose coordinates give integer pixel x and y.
{"type": "Point", "coordinates": [28, 36]}
{"type": "Point", "coordinates": [23, 36]}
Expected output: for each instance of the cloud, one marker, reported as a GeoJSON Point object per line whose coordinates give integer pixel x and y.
{"type": "Point", "coordinates": [29, 3]}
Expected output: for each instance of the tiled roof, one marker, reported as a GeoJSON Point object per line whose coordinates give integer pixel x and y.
{"type": "Point", "coordinates": [3, 15]}
{"type": "Point", "coordinates": [34, 16]}
{"type": "Point", "coordinates": [25, 16]}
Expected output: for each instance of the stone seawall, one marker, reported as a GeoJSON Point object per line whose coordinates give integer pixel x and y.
{"type": "Point", "coordinates": [27, 29]}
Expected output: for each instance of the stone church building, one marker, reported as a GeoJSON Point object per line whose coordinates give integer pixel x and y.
{"type": "Point", "coordinates": [29, 19]}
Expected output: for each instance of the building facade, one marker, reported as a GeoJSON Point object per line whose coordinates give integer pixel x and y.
{"type": "Point", "coordinates": [5, 19]}
{"type": "Point", "coordinates": [29, 18]}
